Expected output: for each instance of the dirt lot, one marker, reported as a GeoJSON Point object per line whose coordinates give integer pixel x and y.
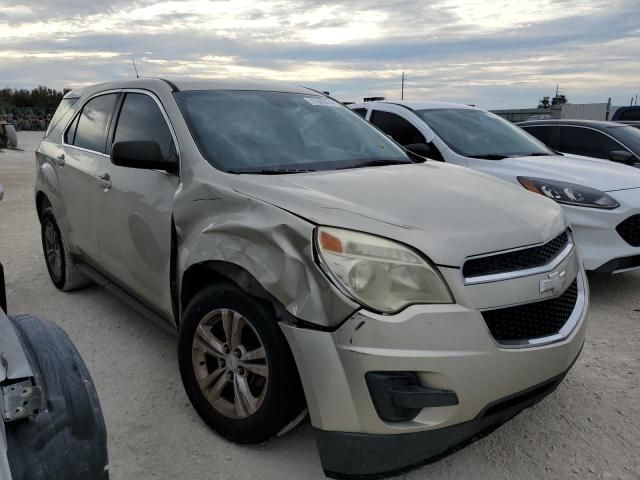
{"type": "Point", "coordinates": [590, 428]}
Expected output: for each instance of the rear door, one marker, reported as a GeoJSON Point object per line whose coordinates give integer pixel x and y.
{"type": "Point", "coordinates": [134, 229]}
{"type": "Point", "coordinates": [83, 148]}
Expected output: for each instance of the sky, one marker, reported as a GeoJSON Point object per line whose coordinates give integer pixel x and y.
{"type": "Point", "coordinates": [492, 53]}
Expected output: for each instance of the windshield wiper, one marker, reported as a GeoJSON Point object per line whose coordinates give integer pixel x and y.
{"type": "Point", "coordinates": [534, 154]}
{"type": "Point", "coordinates": [378, 163]}
{"type": "Point", "coordinates": [272, 171]}
{"type": "Point", "coordinates": [490, 156]}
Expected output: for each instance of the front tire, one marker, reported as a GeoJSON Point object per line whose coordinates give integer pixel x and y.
{"type": "Point", "coordinates": [63, 270]}
{"type": "Point", "coordinates": [236, 365]}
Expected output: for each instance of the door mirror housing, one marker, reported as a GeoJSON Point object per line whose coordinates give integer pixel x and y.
{"type": "Point", "coordinates": [422, 149]}
{"type": "Point", "coordinates": [142, 154]}
{"type": "Point", "coordinates": [622, 156]}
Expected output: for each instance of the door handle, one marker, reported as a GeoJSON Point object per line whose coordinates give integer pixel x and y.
{"type": "Point", "coordinates": [60, 160]}
{"type": "Point", "coordinates": [104, 180]}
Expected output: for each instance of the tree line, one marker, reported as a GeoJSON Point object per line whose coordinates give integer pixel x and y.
{"type": "Point", "coordinates": [41, 98]}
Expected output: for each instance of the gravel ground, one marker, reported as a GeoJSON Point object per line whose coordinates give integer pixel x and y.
{"type": "Point", "coordinates": [589, 428]}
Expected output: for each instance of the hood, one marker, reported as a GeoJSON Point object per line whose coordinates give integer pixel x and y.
{"type": "Point", "coordinates": [604, 175]}
{"type": "Point", "coordinates": [445, 211]}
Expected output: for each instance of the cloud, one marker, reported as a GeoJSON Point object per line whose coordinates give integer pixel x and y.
{"type": "Point", "coordinates": [494, 53]}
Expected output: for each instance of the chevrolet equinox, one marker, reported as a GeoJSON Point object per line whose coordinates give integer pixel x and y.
{"type": "Point", "coordinates": [307, 262]}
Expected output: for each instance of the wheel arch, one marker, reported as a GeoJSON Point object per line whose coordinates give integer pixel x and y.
{"type": "Point", "coordinates": [42, 202]}
{"type": "Point", "coordinates": [203, 274]}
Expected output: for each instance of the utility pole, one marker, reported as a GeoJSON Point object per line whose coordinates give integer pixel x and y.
{"type": "Point", "coordinates": [402, 88]}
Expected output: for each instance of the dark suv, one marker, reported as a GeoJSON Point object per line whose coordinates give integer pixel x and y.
{"type": "Point", "coordinates": [626, 113]}
{"type": "Point", "coordinates": [589, 138]}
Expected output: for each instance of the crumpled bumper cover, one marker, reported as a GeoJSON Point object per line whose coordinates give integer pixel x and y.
{"type": "Point", "coordinates": [358, 455]}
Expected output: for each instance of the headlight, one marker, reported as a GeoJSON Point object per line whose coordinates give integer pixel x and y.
{"type": "Point", "coordinates": [378, 273]}
{"type": "Point", "coordinates": [569, 193]}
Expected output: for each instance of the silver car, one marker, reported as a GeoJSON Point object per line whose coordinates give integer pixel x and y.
{"type": "Point", "coordinates": [307, 262]}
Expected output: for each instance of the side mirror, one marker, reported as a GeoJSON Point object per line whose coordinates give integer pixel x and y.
{"type": "Point", "coordinates": [421, 149]}
{"type": "Point", "coordinates": [142, 154]}
{"type": "Point", "coordinates": [1, 192]}
{"type": "Point", "coordinates": [621, 156]}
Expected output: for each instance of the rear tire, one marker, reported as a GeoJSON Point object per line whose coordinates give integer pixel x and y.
{"type": "Point", "coordinates": [67, 441]}
{"type": "Point", "coordinates": [63, 270]}
{"type": "Point", "coordinates": [231, 345]}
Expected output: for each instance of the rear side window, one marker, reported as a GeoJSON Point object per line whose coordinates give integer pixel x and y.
{"type": "Point", "coordinates": [70, 134]}
{"type": "Point", "coordinates": [141, 119]}
{"type": "Point", "coordinates": [542, 133]}
{"type": "Point", "coordinates": [587, 142]}
{"type": "Point", "coordinates": [63, 107]}
{"type": "Point", "coordinates": [90, 126]}
{"type": "Point", "coordinates": [397, 127]}
{"type": "Point", "coordinates": [360, 111]}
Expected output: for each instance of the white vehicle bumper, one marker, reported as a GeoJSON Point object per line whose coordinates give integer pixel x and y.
{"type": "Point", "coordinates": [602, 247]}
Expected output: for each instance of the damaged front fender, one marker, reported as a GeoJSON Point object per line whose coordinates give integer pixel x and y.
{"type": "Point", "coordinates": [274, 246]}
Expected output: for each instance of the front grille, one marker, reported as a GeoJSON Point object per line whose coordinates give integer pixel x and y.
{"type": "Point", "coordinates": [533, 320]}
{"type": "Point", "coordinates": [629, 230]}
{"type": "Point", "coordinates": [518, 260]}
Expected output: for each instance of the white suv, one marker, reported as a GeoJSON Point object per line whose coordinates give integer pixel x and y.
{"type": "Point", "coordinates": [601, 199]}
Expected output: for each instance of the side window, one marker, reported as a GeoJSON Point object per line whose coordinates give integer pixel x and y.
{"type": "Point", "coordinates": [91, 125]}
{"type": "Point", "coordinates": [360, 111]}
{"type": "Point", "coordinates": [542, 133]}
{"type": "Point", "coordinates": [70, 134]}
{"type": "Point", "coordinates": [397, 127]}
{"type": "Point", "coordinates": [587, 142]}
{"type": "Point", "coordinates": [631, 114]}
{"type": "Point", "coordinates": [63, 107]}
{"type": "Point", "coordinates": [141, 119]}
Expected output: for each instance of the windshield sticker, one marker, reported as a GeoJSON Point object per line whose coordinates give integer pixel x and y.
{"type": "Point", "coordinates": [322, 101]}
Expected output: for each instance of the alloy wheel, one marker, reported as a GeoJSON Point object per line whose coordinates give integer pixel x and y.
{"type": "Point", "coordinates": [230, 363]}
{"type": "Point", "coordinates": [53, 250]}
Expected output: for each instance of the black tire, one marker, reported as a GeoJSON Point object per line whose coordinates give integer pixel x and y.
{"type": "Point", "coordinates": [67, 276]}
{"type": "Point", "coordinates": [10, 133]}
{"type": "Point", "coordinates": [68, 441]}
{"type": "Point", "coordinates": [283, 399]}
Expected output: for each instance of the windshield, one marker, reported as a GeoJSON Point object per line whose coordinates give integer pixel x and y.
{"type": "Point", "coordinates": [629, 135]}
{"type": "Point", "coordinates": [481, 134]}
{"type": "Point", "coordinates": [273, 132]}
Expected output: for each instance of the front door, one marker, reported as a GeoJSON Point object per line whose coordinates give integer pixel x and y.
{"type": "Point", "coordinates": [134, 227]}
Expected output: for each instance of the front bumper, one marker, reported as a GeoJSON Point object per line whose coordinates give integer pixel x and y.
{"type": "Point", "coordinates": [356, 454]}
{"type": "Point", "coordinates": [594, 231]}
{"type": "Point", "coordinates": [450, 349]}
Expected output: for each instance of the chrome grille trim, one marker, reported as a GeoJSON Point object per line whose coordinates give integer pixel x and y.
{"type": "Point", "coordinates": [497, 277]}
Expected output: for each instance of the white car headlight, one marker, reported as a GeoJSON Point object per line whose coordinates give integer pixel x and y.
{"type": "Point", "coordinates": [380, 274]}
{"type": "Point", "coordinates": [569, 193]}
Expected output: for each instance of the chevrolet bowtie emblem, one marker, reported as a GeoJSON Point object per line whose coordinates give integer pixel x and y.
{"type": "Point", "coordinates": [554, 283]}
